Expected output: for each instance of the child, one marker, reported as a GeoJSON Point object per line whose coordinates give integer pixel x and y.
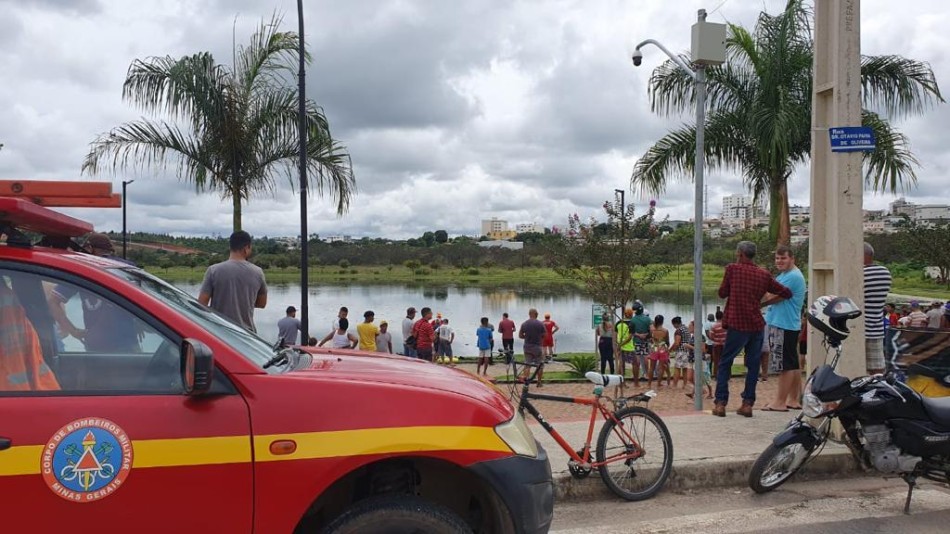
{"type": "Point", "coordinates": [682, 349]}
{"type": "Point", "coordinates": [660, 354]}
{"type": "Point", "coordinates": [484, 334]}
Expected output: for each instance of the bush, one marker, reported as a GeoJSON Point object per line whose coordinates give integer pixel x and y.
{"type": "Point", "coordinates": [472, 271]}
{"type": "Point", "coordinates": [412, 265]}
{"type": "Point", "coordinates": [582, 364]}
{"type": "Point", "coordinates": [344, 264]}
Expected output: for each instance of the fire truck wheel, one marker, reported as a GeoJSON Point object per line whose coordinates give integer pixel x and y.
{"type": "Point", "coordinates": [397, 514]}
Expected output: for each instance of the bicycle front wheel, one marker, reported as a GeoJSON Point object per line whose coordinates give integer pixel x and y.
{"type": "Point", "coordinates": [636, 451]}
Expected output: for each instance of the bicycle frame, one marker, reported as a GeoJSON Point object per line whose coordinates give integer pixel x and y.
{"type": "Point", "coordinates": [597, 405]}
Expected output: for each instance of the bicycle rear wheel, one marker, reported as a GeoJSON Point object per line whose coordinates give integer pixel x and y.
{"type": "Point", "coordinates": [637, 452]}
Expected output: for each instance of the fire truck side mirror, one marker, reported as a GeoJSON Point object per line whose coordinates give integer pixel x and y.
{"type": "Point", "coordinates": [197, 367]}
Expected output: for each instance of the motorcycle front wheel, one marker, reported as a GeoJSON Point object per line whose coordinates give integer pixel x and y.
{"type": "Point", "coordinates": [776, 465]}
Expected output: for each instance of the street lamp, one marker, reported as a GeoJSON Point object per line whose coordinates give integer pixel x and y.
{"type": "Point", "coordinates": [708, 48]}
{"type": "Point", "coordinates": [124, 235]}
{"type": "Point", "coordinates": [302, 166]}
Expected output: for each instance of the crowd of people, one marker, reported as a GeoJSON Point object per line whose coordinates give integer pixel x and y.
{"type": "Point", "coordinates": [773, 342]}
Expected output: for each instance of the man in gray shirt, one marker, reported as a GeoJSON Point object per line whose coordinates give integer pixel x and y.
{"type": "Point", "coordinates": [532, 332]}
{"type": "Point", "coordinates": [236, 286]}
{"type": "Point", "coordinates": [288, 327]}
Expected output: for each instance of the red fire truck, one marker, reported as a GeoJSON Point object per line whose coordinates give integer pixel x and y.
{"type": "Point", "coordinates": [127, 406]}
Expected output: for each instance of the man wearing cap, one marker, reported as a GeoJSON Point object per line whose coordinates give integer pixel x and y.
{"type": "Point", "coordinates": [407, 323]}
{"type": "Point", "coordinates": [288, 327]}
{"type": "Point", "coordinates": [235, 286]}
{"type": "Point", "coordinates": [384, 340]}
{"type": "Point", "coordinates": [367, 332]}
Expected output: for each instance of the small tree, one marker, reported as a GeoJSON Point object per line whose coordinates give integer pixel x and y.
{"type": "Point", "coordinates": [610, 260]}
{"type": "Point", "coordinates": [441, 236]}
{"type": "Point", "coordinates": [930, 245]}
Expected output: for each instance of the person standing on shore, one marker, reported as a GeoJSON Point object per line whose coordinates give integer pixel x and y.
{"type": "Point", "coordinates": [877, 284]}
{"type": "Point", "coordinates": [410, 319]}
{"type": "Point", "coordinates": [507, 328]}
{"type": "Point", "coordinates": [425, 335]}
{"type": "Point", "coordinates": [446, 337]}
{"type": "Point", "coordinates": [367, 332]}
{"type": "Point", "coordinates": [384, 339]}
{"type": "Point", "coordinates": [784, 320]}
{"type": "Point", "coordinates": [605, 344]}
{"type": "Point", "coordinates": [288, 327]}
{"type": "Point", "coordinates": [547, 344]}
{"type": "Point", "coordinates": [235, 286]}
{"type": "Point", "coordinates": [532, 332]}
{"type": "Point", "coordinates": [744, 285]}
{"type": "Point", "coordinates": [483, 336]}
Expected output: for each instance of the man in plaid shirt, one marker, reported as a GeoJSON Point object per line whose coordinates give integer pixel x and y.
{"type": "Point", "coordinates": [744, 286]}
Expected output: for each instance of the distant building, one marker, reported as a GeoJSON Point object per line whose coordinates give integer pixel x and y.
{"type": "Point", "coordinates": [290, 243]}
{"type": "Point", "coordinates": [526, 228]}
{"type": "Point", "coordinates": [931, 214]}
{"type": "Point", "coordinates": [902, 207]}
{"type": "Point", "coordinates": [497, 229]}
{"type": "Point", "coordinates": [875, 227]}
{"type": "Point", "coordinates": [739, 211]}
{"type": "Point", "coordinates": [338, 239]}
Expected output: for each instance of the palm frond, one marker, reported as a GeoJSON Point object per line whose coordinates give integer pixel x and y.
{"type": "Point", "coordinates": [269, 59]}
{"type": "Point", "coordinates": [898, 86]}
{"type": "Point", "coordinates": [890, 167]}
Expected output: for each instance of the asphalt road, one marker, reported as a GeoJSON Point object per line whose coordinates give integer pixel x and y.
{"type": "Point", "coordinates": [860, 505]}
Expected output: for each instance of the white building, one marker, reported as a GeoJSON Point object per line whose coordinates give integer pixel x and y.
{"type": "Point", "coordinates": [737, 210]}
{"type": "Point", "coordinates": [902, 207]}
{"type": "Point", "coordinates": [931, 213]}
{"type": "Point", "coordinates": [525, 228]}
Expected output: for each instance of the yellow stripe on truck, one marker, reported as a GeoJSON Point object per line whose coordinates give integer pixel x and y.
{"type": "Point", "coordinates": [148, 453]}
{"type": "Point", "coordinates": [311, 445]}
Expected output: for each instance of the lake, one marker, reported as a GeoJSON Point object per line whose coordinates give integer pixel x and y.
{"type": "Point", "coordinates": [463, 306]}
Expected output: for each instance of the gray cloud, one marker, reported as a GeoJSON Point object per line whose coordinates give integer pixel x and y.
{"type": "Point", "coordinates": [452, 111]}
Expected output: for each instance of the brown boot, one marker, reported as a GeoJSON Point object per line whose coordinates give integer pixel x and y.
{"type": "Point", "coordinates": [745, 410]}
{"type": "Point", "coordinates": [719, 409]}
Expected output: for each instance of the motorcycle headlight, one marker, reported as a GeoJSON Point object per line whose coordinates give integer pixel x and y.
{"type": "Point", "coordinates": [516, 434]}
{"type": "Point", "coordinates": [812, 405]}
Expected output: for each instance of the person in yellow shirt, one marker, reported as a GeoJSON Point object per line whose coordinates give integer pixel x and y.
{"type": "Point", "coordinates": [625, 343]}
{"type": "Point", "coordinates": [367, 332]}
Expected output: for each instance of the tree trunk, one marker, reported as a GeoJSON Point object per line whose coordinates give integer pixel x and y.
{"type": "Point", "coordinates": [780, 226]}
{"type": "Point", "coordinates": [236, 201]}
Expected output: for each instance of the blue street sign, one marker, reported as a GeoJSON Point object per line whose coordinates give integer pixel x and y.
{"type": "Point", "coordinates": [851, 139]}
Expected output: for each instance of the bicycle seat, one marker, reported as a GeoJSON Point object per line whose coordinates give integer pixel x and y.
{"type": "Point", "coordinates": [604, 380]}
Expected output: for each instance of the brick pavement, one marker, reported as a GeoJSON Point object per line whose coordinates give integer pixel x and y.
{"type": "Point", "coordinates": [667, 402]}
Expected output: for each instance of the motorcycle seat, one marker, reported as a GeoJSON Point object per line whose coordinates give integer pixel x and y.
{"type": "Point", "coordinates": [938, 409]}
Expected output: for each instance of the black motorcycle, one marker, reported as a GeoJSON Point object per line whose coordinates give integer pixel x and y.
{"type": "Point", "coordinates": [888, 426]}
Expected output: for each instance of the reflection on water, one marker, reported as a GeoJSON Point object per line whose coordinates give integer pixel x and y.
{"type": "Point", "coordinates": [463, 305]}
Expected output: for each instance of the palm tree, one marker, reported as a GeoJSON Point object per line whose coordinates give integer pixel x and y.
{"type": "Point", "coordinates": [759, 113]}
{"type": "Point", "coordinates": [231, 129]}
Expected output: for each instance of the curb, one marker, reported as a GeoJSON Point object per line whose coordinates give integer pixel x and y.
{"type": "Point", "coordinates": [704, 473]}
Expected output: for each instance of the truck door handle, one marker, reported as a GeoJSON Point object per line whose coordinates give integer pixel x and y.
{"type": "Point", "coordinates": [5, 443]}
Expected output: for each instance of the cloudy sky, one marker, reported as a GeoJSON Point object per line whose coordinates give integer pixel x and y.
{"type": "Point", "coordinates": [453, 111]}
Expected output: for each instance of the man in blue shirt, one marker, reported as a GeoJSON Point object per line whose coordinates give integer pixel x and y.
{"type": "Point", "coordinates": [484, 335]}
{"type": "Point", "coordinates": [784, 322]}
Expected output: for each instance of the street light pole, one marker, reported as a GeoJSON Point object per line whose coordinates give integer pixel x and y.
{"type": "Point", "coordinates": [302, 148]}
{"type": "Point", "coordinates": [124, 235]}
{"type": "Point", "coordinates": [708, 48]}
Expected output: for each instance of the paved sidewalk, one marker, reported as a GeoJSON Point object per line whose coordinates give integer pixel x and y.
{"type": "Point", "coordinates": [707, 451]}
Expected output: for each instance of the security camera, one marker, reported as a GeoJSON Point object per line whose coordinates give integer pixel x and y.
{"type": "Point", "coordinates": [637, 58]}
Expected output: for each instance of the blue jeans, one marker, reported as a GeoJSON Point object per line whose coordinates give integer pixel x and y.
{"type": "Point", "coordinates": [735, 342]}
{"type": "Point", "coordinates": [409, 351]}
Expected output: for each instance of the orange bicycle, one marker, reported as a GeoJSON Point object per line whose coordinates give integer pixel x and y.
{"type": "Point", "coordinates": [634, 449]}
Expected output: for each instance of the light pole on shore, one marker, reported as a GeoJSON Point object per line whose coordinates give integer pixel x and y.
{"type": "Point", "coordinates": [125, 238]}
{"type": "Point", "coordinates": [708, 48]}
{"type": "Point", "coordinates": [302, 148]}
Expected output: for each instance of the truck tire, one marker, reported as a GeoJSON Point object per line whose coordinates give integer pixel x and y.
{"type": "Point", "coordinates": [397, 514]}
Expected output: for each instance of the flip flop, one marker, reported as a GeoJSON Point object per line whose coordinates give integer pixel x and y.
{"type": "Point", "coordinates": [790, 407]}
{"type": "Point", "coordinates": [770, 409]}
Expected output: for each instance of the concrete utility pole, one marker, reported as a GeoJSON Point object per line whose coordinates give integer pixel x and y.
{"type": "Point", "coordinates": [836, 233]}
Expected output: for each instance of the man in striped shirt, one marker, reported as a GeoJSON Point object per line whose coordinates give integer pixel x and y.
{"type": "Point", "coordinates": [877, 284]}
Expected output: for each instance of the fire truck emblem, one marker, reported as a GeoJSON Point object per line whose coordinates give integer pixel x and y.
{"type": "Point", "coordinates": [87, 460]}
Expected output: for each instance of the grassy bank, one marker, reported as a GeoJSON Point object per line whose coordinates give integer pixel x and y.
{"type": "Point", "coordinates": [681, 277]}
